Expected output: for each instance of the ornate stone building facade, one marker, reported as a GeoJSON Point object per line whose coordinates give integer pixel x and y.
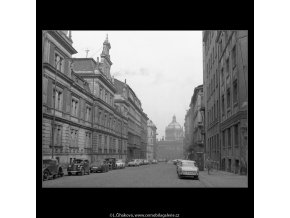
{"type": "Point", "coordinates": [137, 120]}
{"type": "Point", "coordinates": [225, 60]}
{"type": "Point", "coordinates": [80, 117]}
{"type": "Point", "coordinates": [194, 128]}
{"type": "Point", "coordinates": [151, 145]}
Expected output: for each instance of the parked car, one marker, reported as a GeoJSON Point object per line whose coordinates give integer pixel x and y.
{"type": "Point", "coordinates": [154, 161]}
{"type": "Point", "coordinates": [146, 162]}
{"type": "Point", "coordinates": [51, 169]}
{"type": "Point", "coordinates": [133, 163]}
{"type": "Point", "coordinates": [99, 166]}
{"type": "Point", "coordinates": [188, 168]}
{"type": "Point", "coordinates": [120, 164]}
{"type": "Point", "coordinates": [178, 162]}
{"type": "Point", "coordinates": [112, 163]}
{"type": "Point", "coordinates": [79, 166]}
{"type": "Point", "coordinates": [140, 162]}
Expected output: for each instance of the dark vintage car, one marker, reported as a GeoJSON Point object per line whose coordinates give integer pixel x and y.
{"type": "Point", "coordinates": [111, 162]}
{"type": "Point", "coordinates": [51, 169]}
{"type": "Point", "coordinates": [79, 166]}
{"type": "Point", "coordinates": [99, 166]}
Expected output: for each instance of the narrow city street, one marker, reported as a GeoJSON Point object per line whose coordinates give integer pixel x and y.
{"type": "Point", "coordinates": [153, 175]}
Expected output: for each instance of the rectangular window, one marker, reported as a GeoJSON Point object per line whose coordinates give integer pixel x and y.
{"type": "Point", "coordinates": [235, 91]}
{"type": "Point", "coordinates": [228, 98]}
{"type": "Point", "coordinates": [224, 139]}
{"type": "Point", "coordinates": [214, 82]}
{"type": "Point", "coordinates": [217, 78]}
{"type": "Point", "coordinates": [74, 107]}
{"type": "Point", "coordinates": [59, 62]}
{"type": "Point", "coordinates": [223, 104]}
{"type": "Point", "coordinates": [217, 108]}
{"type": "Point", "coordinates": [229, 138]}
{"type": "Point", "coordinates": [236, 129]}
{"type": "Point", "coordinates": [234, 57]}
{"type": "Point", "coordinates": [57, 135]}
{"type": "Point", "coordinates": [214, 112]}
{"type": "Point", "coordinates": [100, 92]}
{"type": "Point", "coordinates": [228, 66]}
{"type": "Point", "coordinates": [222, 76]}
{"type": "Point", "coordinates": [88, 113]}
{"type": "Point", "coordinates": [218, 144]}
{"type": "Point", "coordinates": [44, 90]}
{"type": "Point", "coordinates": [58, 99]}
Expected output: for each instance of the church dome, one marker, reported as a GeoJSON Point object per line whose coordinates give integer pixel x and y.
{"type": "Point", "coordinates": [173, 124]}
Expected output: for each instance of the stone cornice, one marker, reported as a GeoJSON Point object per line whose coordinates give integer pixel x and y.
{"type": "Point", "coordinates": [62, 41]}
{"type": "Point", "coordinates": [234, 118]}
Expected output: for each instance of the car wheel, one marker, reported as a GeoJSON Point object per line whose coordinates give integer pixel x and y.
{"type": "Point", "coordinates": [45, 175]}
{"type": "Point", "coordinates": [69, 173]}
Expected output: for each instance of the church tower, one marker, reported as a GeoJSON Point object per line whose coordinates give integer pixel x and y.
{"type": "Point", "coordinates": [105, 58]}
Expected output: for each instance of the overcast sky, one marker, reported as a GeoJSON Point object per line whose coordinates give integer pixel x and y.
{"type": "Point", "coordinates": [162, 67]}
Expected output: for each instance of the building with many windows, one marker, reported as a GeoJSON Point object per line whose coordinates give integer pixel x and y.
{"type": "Point", "coordinates": [137, 120]}
{"type": "Point", "coordinates": [151, 136]}
{"type": "Point", "coordinates": [194, 128]}
{"type": "Point", "coordinates": [80, 117]}
{"type": "Point", "coordinates": [225, 64]}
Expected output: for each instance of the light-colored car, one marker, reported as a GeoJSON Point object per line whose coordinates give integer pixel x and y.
{"type": "Point", "coordinates": [139, 162]}
{"type": "Point", "coordinates": [133, 163]}
{"type": "Point", "coordinates": [120, 164]}
{"type": "Point", "coordinates": [154, 161]}
{"type": "Point", "coordinates": [146, 162]}
{"type": "Point", "coordinates": [187, 168]}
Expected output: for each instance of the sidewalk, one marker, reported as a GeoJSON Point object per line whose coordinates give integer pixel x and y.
{"type": "Point", "coordinates": [224, 179]}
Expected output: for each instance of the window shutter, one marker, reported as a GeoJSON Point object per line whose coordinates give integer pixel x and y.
{"type": "Point", "coordinates": [49, 93]}
{"type": "Point", "coordinates": [44, 90]}
{"type": "Point", "coordinates": [68, 101]}
{"type": "Point", "coordinates": [51, 54]}
{"type": "Point", "coordinates": [64, 99]}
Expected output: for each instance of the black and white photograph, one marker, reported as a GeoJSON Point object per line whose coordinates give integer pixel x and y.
{"type": "Point", "coordinates": [143, 109]}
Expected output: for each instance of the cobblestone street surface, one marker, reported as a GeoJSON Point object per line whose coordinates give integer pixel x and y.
{"type": "Point", "coordinates": [154, 175]}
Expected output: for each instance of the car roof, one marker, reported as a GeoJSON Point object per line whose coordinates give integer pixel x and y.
{"type": "Point", "coordinates": [192, 161]}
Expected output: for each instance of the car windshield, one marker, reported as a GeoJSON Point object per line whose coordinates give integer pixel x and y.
{"type": "Point", "coordinates": [188, 164]}
{"type": "Point", "coordinates": [77, 161]}
{"type": "Point", "coordinates": [49, 161]}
